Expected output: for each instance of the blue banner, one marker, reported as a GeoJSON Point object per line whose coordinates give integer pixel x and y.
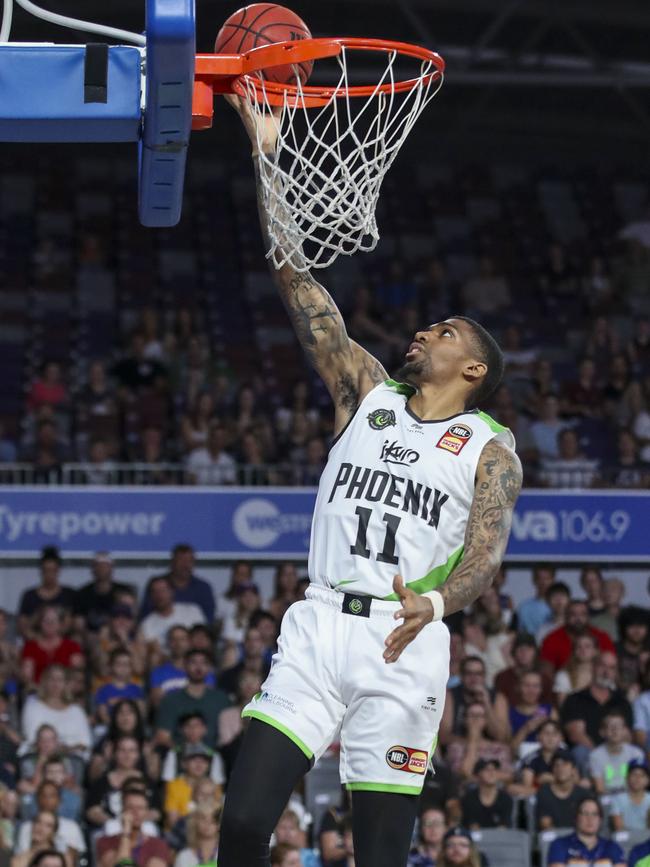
{"type": "Point", "coordinates": [274, 523]}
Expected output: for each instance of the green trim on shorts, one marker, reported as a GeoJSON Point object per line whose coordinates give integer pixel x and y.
{"type": "Point", "coordinates": [383, 787]}
{"type": "Point", "coordinates": [256, 714]}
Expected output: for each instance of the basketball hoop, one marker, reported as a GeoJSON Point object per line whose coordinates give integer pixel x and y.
{"type": "Point", "coordinates": [334, 144]}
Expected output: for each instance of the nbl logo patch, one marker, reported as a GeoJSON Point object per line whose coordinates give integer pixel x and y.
{"type": "Point", "coordinates": [455, 439]}
{"type": "Point", "coordinates": [379, 419]}
{"type": "Point", "coordinates": [406, 759]}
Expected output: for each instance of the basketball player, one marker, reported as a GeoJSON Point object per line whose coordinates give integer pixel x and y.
{"type": "Point", "coordinates": [411, 523]}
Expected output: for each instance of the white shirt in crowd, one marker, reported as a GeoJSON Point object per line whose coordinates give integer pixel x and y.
{"type": "Point", "coordinates": [155, 626]}
{"type": "Point", "coordinates": [208, 470]}
{"type": "Point", "coordinates": [68, 836]}
{"type": "Point", "coordinates": [71, 723]}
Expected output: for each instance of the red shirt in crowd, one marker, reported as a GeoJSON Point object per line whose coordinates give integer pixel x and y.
{"type": "Point", "coordinates": [147, 848]}
{"type": "Point", "coordinates": [557, 646]}
{"type": "Point", "coordinates": [62, 655]}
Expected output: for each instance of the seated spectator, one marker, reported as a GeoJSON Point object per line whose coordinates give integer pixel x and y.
{"type": "Point", "coordinates": [235, 623]}
{"type": "Point", "coordinates": [533, 613]}
{"type": "Point", "coordinates": [432, 827]}
{"type": "Point", "coordinates": [633, 648]}
{"type": "Point", "coordinates": [126, 720]}
{"type": "Point", "coordinates": [254, 661]}
{"type": "Point", "coordinates": [105, 800]}
{"type": "Point", "coordinates": [630, 810]}
{"type": "Point", "coordinates": [170, 674]}
{"type": "Point", "coordinates": [592, 582]}
{"type": "Point", "coordinates": [47, 744]}
{"type": "Point", "coordinates": [165, 614]}
{"type": "Point", "coordinates": [627, 470]}
{"type": "Point", "coordinates": [8, 656]}
{"type": "Point", "coordinates": [202, 839]}
{"type": "Point", "coordinates": [241, 573]}
{"type": "Point", "coordinates": [544, 432]}
{"type": "Point", "coordinates": [285, 585]}
{"type": "Point", "coordinates": [231, 724]}
{"type": "Point", "coordinates": [48, 647]}
{"type": "Point", "coordinates": [186, 586]}
{"type": "Point", "coordinates": [524, 657]}
{"type": "Point", "coordinates": [135, 371]}
{"type": "Point", "coordinates": [196, 762]}
{"type": "Point", "coordinates": [131, 844]}
{"type": "Point", "coordinates": [8, 812]}
{"type": "Point", "coordinates": [578, 673]}
{"type": "Point", "coordinates": [472, 688]}
{"type": "Point", "coordinates": [97, 410]}
{"type": "Point", "coordinates": [583, 397]}
{"type": "Point", "coordinates": [201, 639]}
{"type": "Point", "coordinates": [95, 600]}
{"type": "Point", "coordinates": [195, 423]}
{"type": "Point", "coordinates": [585, 846]}
{"type": "Point", "coordinates": [120, 686]}
{"type": "Point", "coordinates": [488, 614]}
{"type": "Point", "coordinates": [120, 632]}
{"type": "Point", "coordinates": [642, 710]}
{"type": "Point", "coordinates": [608, 763]}
{"type": "Point", "coordinates": [69, 838]}
{"type": "Point", "coordinates": [558, 597]}
{"type": "Point", "coordinates": [459, 850]}
{"type": "Point", "coordinates": [571, 468]}
{"type": "Point", "coordinates": [557, 646]}
{"type": "Point", "coordinates": [9, 740]}
{"type": "Point", "coordinates": [464, 752]}
{"type": "Point", "coordinates": [195, 697]}
{"type": "Point", "coordinates": [51, 705]}
{"type": "Point", "coordinates": [289, 832]}
{"type": "Point", "coordinates": [193, 732]}
{"type": "Point", "coordinates": [522, 720]}
{"type": "Point", "coordinates": [583, 712]}
{"type": "Point", "coordinates": [42, 839]}
{"type": "Point", "coordinates": [535, 768]}
{"type": "Point", "coordinates": [48, 388]}
{"type": "Point", "coordinates": [54, 772]}
{"type": "Point", "coordinates": [49, 592]}
{"type": "Point", "coordinates": [441, 789]}
{"type": "Point", "coordinates": [267, 626]}
{"type": "Point", "coordinates": [212, 465]}
{"type": "Point", "coordinates": [47, 452]}
{"type": "Point", "coordinates": [557, 801]}
{"type": "Point", "coordinates": [486, 805]}
{"type": "Point", "coordinates": [607, 620]}
{"type": "Point", "coordinates": [285, 855]}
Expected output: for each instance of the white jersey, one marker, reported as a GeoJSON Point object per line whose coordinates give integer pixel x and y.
{"type": "Point", "coordinates": [395, 495]}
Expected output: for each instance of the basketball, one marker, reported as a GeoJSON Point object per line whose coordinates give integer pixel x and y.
{"type": "Point", "coordinates": [263, 24]}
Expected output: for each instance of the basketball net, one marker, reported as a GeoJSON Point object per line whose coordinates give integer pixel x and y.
{"type": "Point", "coordinates": [321, 185]}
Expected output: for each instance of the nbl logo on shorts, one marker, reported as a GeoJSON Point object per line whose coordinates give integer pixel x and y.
{"type": "Point", "coordinates": [406, 759]}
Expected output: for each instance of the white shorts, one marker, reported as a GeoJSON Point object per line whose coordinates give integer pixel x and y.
{"type": "Point", "coordinates": [329, 674]}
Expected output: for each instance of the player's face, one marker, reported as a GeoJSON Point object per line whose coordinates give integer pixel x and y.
{"type": "Point", "coordinates": [442, 350]}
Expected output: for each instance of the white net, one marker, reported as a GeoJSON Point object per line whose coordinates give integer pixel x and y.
{"type": "Point", "coordinates": [322, 183]}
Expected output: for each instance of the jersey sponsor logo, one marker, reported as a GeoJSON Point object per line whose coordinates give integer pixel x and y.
{"type": "Point", "coordinates": [395, 453]}
{"type": "Point", "coordinates": [379, 419]}
{"type": "Point", "coordinates": [406, 759]}
{"type": "Point", "coordinates": [455, 439]}
{"type": "Point", "coordinates": [362, 483]}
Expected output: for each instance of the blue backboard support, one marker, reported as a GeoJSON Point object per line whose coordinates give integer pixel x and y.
{"type": "Point", "coordinates": [170, 59]}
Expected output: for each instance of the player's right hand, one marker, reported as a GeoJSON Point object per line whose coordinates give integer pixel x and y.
{"type": "Point", "coordinates": [263, 130]}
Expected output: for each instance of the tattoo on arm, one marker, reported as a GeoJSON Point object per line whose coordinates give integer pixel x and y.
{"type": "Point", "coordinates": [498, 484]}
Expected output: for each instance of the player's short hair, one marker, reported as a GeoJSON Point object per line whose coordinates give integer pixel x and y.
{"type": "Point", "coordinates": [488, 351]}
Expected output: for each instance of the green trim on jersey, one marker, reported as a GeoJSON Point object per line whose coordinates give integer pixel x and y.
{"type": "Point", "coordinates": [642, 862]}
{"type": "Point", "coordinates": [384, 787]}
{"type": "Point", "coordinates": [256, 714]}
{"type": "Point", "coordinates": [491, 423]}
{"type": "Point", "coordinates": [437, 576]}
{"type": "Point", "coordinates": [400, 387]}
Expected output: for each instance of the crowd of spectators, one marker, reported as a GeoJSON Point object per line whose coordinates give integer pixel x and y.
{"type": "Point", "coordinates": [574, 327]}
{"type": "Point", "coordinates": [120, 720]}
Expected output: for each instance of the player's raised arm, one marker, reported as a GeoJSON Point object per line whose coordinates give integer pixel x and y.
{"type": "Point", "coordinates": [498, 482]}
{"type": "Point", "coordinates": [348, 370]}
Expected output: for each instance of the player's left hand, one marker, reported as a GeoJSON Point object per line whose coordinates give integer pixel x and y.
{"type": "Point", "coordinates": [416, 612]}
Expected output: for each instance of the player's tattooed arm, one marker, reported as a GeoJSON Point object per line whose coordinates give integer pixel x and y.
{"type": "Point", "coordinates": [498, 483]}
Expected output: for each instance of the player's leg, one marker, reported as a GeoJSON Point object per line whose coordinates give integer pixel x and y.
{"type": "Point", "coordinates": [382, 825]}
{"type": "Point", "coordinates": [268, 767]}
